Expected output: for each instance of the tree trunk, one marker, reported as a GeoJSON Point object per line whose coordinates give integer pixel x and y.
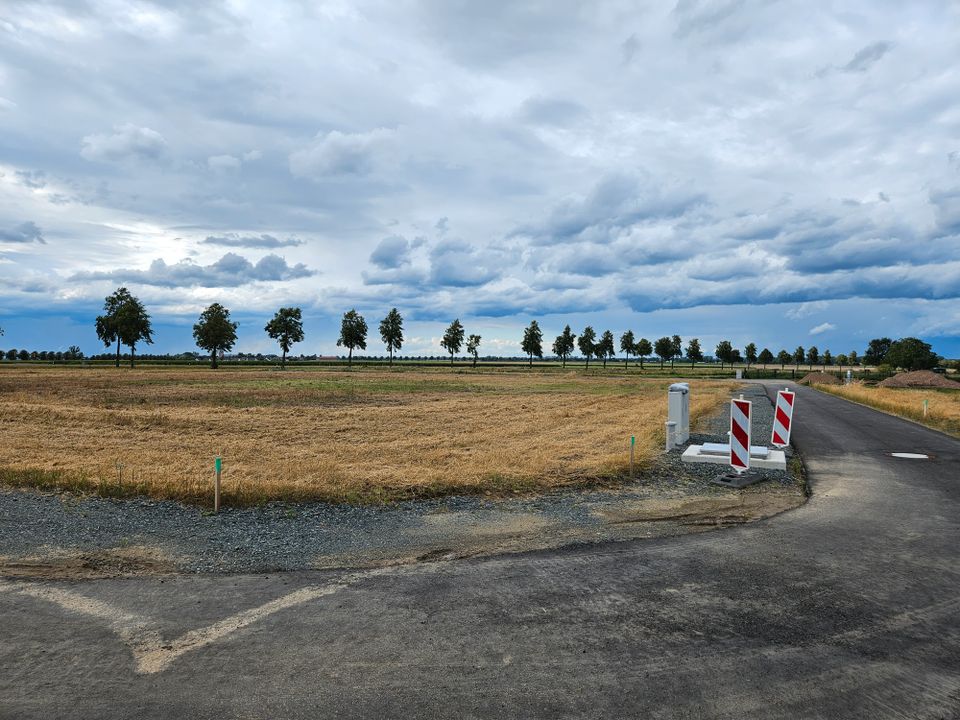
{"type": "Point", "coordinates": [474, 361]}
{"type": "Point", "coordinates": [451, 359]}
{"type": "Point", "coordinates": [641, 362]}
{"type": "Point", "coordinates": [626, 362]}
{"type": "Point", "coordinates": [132, 352]}
{"type": "Point", "coordinates": [283, 360]}
{"type": "Point", "coordinates": [118, 351]}
{"type": "Point", "coordinates": [661, 363]}
{"type": "Point", "coordinates": [349, 357]}
{"type": "Point", "coordinates": [671, 364]}
{"type": "Point", "coordinates": [588, 363]}
{"type": "Point", "coordinates": [563, 361]}
{"type": "Point", "coordinates": [213, 359]}
{"type": "Point", "coordinates": [530, 360]}
{"type": "Point", "coordinates": [391, 357]}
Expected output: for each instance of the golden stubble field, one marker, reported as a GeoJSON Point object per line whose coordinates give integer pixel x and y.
{"type": "Point", "coordinates": [338, 436]}
{"type": "Point", "coordinates": [943, 406]}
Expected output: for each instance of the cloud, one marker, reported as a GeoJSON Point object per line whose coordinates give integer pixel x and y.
{"type": "Point", "coordinates": [27, 232]}
{"type": "Point", "coordinates": [551, 111]}
{"type": "Point", "coordinates": [336, 153]}
{"type": "Point", "coordinates": [806, 309]}
{"type": "Point", "coordinates": [391, 253]}
{"type": "Point", "coordinates": [867, 56]}
{"type": "Point", "coordinates": [822, 328]}
{"type": "Point", "coordinates": [250, 241]}
{"type": "Point", "coordinates": [456, 263]}
{"type": "Point", "coordinates": [126, 142]}
{"type": "Point", "coordinates": [223, 163]}
{"type": "Point", "coordinates": [231, 270]}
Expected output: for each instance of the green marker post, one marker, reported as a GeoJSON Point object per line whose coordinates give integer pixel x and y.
{"type": "Point", "coordinates": [217, 466]}
{"type": "Point", "coordinates": [633, 441]}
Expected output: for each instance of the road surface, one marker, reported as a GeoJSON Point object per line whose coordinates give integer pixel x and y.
{"type": "Point", "coordinates": [848, 607]}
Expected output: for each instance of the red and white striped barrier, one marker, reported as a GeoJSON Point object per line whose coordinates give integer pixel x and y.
{"type": "Point", "coordinates": [740, 411]}
{"type": "Point", "coordinates": [783, 418]}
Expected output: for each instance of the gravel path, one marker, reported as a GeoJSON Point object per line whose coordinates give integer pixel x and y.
{"type": "Point", "coordinates": [127, 535]}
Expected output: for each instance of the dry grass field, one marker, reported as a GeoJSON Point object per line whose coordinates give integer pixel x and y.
{"type": "Point", "coordinates": [943, 409]}
{"type": "Point", "coordinates": [362, 436]}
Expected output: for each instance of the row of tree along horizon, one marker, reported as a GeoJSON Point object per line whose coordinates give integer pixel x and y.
{"type": "Point", "coordinates": [125, 321]}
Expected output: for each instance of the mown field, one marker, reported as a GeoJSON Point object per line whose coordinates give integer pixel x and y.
{"type": "Point", "coordinates": [943, 406]}
{"type": "Point", "coordinates": [333, 435]}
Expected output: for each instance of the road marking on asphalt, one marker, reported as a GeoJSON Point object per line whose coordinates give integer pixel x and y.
{"type": "Point", "coordinates": [910, 456]}
{"type": "Point", "coordinates": [151, 653]}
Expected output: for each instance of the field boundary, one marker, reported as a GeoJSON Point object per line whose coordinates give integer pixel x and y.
{"type": "Point", "coordinates": [891, 414]}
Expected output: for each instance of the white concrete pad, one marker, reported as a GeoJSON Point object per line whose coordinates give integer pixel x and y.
{"type": "Point", "coordinates": [775, 459]}
{"type": "Point", "coordinates": [756, 451]}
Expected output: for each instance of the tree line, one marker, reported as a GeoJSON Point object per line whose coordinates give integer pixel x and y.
{"type": "Point", "coordinates": [125, 322]}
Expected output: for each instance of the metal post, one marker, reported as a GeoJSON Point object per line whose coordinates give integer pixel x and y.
{"type": "Point", "coordinates": [925, 403]}
{"type": "Point", "coordinates": [633, 440]}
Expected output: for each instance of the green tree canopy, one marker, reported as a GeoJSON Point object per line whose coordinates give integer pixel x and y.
{"type": "Point", "coordinates": [473, 347]}
{"type": "Point", "coordinates": [605, 347]}
{"type": "Point", "coordinates": [765, 357]}
{"type": "Point", "coordinates": [286, 327]}
{"type": "Point", "coordinates": [798, 355]}
{"type": "Point", "coordinates": [724, 352]}
{"type": "Point", "coordinates": [783, 357]}
{"type": "Point", "coordinates": [532, 343]}
{"type": "Point", "coordinates": [391, 332]}
{"type": "Point", "coordinates": [124, 321]}
{"type": "Point", "coordinates": [827, 357]}
{"type": "Point", "coordinates": [664, 348]}
{"type": "Point", "coordinates": [628, 344]}
{"type": "Point", "coordinates": [215, 332]}
{"type": "Point", "coordinates": [911, 354]}
{"type": "Point", "coordinates": [842, 360]}
{"type": "Point", "coordinates": [453, 338]}
{"type": "Point", "coordinates": [644, 349]}
{"type": "Point", "coordinates": [813, 355]}
{"type": "Point", "coordinates": [586, 343]}
{"type": "Point", "coordinates": [694, 353]}
{"type": "Point", "coordinates": [750, 354]}
{"type": "Point", "coordinates": [563, 345]}
{"type": "Point", "coordinates": [877, 351]}
{"type": "Point", "coordinates": [353, 333]}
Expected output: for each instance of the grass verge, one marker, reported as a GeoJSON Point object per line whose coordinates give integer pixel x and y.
{"type": "Point", "coordinates": [943, 405]}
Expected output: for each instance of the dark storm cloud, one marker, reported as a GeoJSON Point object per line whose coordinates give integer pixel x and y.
{"type": "Point", "coordinates": [27, 232]}
{"type": "Point", "coordinates": [866, 57]}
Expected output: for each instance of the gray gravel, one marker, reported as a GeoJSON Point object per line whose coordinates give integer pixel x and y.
{"type": "Point", "coordinates": [280, 536]}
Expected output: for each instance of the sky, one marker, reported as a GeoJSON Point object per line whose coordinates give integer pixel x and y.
{"type": "Point", "coordinates": [784, 173]}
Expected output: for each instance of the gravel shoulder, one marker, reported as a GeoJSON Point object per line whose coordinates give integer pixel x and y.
{"type": "Point", "coordinates": [69, 536]}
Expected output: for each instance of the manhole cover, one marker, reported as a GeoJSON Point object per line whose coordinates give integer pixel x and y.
{"type": "Point", "coordinates": [910, 456]}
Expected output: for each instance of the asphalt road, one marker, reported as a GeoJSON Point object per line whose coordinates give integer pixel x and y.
{"type": "Point", "coordinates": [847, 607]}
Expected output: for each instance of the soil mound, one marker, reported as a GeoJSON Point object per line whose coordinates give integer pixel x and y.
{"type": "Point", "coordinates": [919, 379]}
{"type": "Point", "coordinates": [819, 378]}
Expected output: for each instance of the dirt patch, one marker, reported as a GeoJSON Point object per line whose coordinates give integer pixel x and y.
{"type": "Point", "coordinates": [919, 379]}
{"type": "Point", "coordinates": [62, 564]}
{"type": "Point", "coordinates": [819, 378]}
{"type": "Point", "coordinates": [705, 509]}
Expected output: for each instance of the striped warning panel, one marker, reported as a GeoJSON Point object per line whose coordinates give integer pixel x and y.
{"type": "Point", "coordinates": [740, 411]}
{"type": "Point", "coordinates": [783, 418]}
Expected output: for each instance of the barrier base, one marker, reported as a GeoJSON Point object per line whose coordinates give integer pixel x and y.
{"type": "Point", "coordinates": [774, 459]}
{"type": "Point", "coordinates": [737, 480]}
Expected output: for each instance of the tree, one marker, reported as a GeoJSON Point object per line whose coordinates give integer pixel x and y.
{"type": "Point", "coordinates": [841, 361]}
{"type": "Point", "coordinates": [473, 345]}
{"type": "Point", "coordinates": [605, 348]}
{"type": "Point", "coordinates": [677, 349]}
{"type": "Point", "coordinates": [586, 343]}
{"type": "Point", "coordinates": [783, 357]}
{"type": "Point", "coordinates": [119, 319]}
{"type": "Point", "coordinates": [853, 357]}
{"type": "Point", "coordinates": [826, 358]}
{"type": "Point", "coordinates": [813, 355]}
{"type": "Point", "coordinates": [724, 352]}
{"type": "Point", "coordinates": [74, 353]}
{"type": "Point", "coordinates": [643, 349]}
{"type": "Point", "coordinates": [735, 356]}
{"type": "Point", "coordinates": [23, 355]}
{"type": "Point", "coordinates": [694, 353]}
{"type": "Point", "coordinates": [877, 351]}
{"type": "Point", "coordinates": [353, 334]}
{"type": "Point", "coordinates": [133, 325]}
{"type": "Point", "coordinates": [215, 332]}
{"type": "Point", "coordinates": [391, 332]}
{"type": "Point", "coordinates": [286, 328]}
{"type": "Point", "coordinates": [750, 353]}
{"type": "Point", "coordinates": [563, 345]}
{"type": "Point", "coordinates": [911, 354]}
{"type": "Point", "coordinates": [453, 339]}
{"type": "Point", "coordinates": [11, 354]}
{"type": "Point", "coordinates": [664, 348]}
{"type": "Point", "coordinates": [765, 357]}
{"type": "Point", "coordinates": [627, 345]}
{"type": "Point", "coordinates": [532, 343]}
{"type": "Point", "coordinates": [798, 355]}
